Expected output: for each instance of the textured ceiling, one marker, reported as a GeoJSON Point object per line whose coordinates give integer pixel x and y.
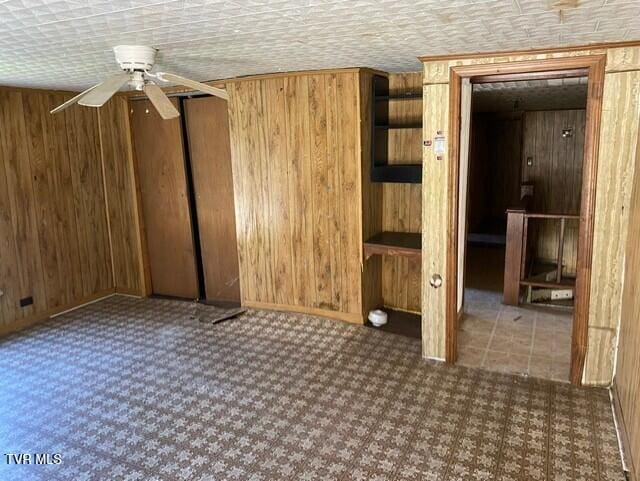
{"type": "Point", "coordinates": [552, 94]}
{"type": "Point", "coordinates": [67, 43]}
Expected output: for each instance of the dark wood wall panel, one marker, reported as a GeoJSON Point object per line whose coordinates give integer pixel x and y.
{"type": "Point", "coordinates": [210, 152]}
{"type": "Point", "coordinates": [557, 162]}
{"type": "Point", "coordinates": [53, 226]}
{"type": "Point", "coordinates": [165, 202]}
{"type": "Point", "coordinates": [557, 177]}
{"type": "Point", "coordinates": [494, 169]}
{"type": "Point", "coordinates": [295, 146]}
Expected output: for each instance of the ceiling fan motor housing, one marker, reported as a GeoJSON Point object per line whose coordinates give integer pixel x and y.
{"type": "Point", "coordinates": [134, 58]}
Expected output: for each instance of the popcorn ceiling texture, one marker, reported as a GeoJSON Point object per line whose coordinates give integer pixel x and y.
{"type": "Point", "coordinates": [67, 43]}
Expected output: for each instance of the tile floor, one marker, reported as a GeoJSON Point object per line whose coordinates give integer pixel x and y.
{"type": "Point", "coordinates": [139, 390]}
{"type": "Point", "coordinates": [533, 341]}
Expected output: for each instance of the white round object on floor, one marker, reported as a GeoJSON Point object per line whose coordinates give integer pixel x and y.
{"type": "Point", "coordinates": [378, 317]}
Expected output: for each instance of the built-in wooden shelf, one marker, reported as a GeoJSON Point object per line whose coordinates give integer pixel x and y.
{"type": "Point", "coordinates": [401, 322]}
{"type": "Point", "coordinates": [406, 96]}
{"type": "Point", "coordinates": [394, 244]}
{"type": "Point", "coordinates": [399, 173]}
{"type": "Point", "coordinates": [565, 283]}
{"type": "Point", "coordinates": [399, 126]}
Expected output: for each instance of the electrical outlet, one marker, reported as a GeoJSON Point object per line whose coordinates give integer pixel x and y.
{"type": "Point", "coordinates": [27, 301]}
{"type": "Point", "coordinates": [557, 294]}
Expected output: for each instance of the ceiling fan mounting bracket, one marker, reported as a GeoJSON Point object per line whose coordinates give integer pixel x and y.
{"type": "Point", "coordinates": [135, 58]}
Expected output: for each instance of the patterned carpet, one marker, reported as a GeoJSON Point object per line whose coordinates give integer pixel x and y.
{"type": "Point", "coordinates": [130, 389]}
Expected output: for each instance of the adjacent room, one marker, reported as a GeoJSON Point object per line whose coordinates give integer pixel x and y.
{"type": "Point", "coordinates": [289, 240]}
{"type": "Point", "coordinates": [524, 184]}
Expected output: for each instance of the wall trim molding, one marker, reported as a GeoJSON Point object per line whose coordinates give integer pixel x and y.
{"type": "Point", "coordinates": [350, 317]}
{"type": "Point", "coordinates": [532, 51]}
{"type": "Point", "coordinates": [623, 434]}
{"type": "Point", "coordinates": [42, 317]}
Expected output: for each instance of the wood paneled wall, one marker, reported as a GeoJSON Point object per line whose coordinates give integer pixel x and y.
{"type": "Point", "coordinates": [556, 169]}
{"type": "Point", "coordinates": [402, 203]}
{"type": "Point", "coordinates": [54, 242]}
{"type": "Point", "coordinates": [627, 381]}
{"type": "Point", "coordinates": [556, 173]}
{"type": "Point", "coordinates": [494, 169]}
{"type": "Point", "coordinates": [617, 147]}
{"type": "Point", "coordinates": [295, 146]}
{"type": "Point", "coordinates": [123, 202]}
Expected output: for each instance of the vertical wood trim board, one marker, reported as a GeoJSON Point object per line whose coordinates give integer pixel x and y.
{"type": "Point", "coordinates": [54, 244]}
{"type": "Point", "coordinates": [617, 147]}
{"type": "Point", "coordinates": [435, 222]}
{"type": "Point", "coordinates": [372, 196]}
{"type": "Point", "coordinates": [296, 158]}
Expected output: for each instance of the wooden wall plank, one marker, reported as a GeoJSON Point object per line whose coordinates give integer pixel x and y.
{"type": "Point", "coordinates": [627, 381]}
{"type": "Point", "coordinates": [299, 168]}
{"type": "Point", "coordinates": [20, 209]}
{"type": "Point", "coordinates": [296, 202]}
{"type": "Point", "coordinates": [52, 211]}
{"type": "Point", "coordinates": [276, 170]}
{"type": "Point", "coordinates": [435, 179]}
{"type": "Point", "coordinates": [122, 198]}
{"type": "Point", "coordinates": [83, 138]}
{"type": "Point", "coordinates": [616, 165]}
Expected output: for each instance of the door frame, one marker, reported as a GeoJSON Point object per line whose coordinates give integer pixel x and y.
{"type": "Point", "coordinates": [593, 66]}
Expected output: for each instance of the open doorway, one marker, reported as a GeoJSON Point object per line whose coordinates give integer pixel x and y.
{"type": "Point", "coordinates": [522, 199]}
{"type": "Point", "coordinates": [526, 149]}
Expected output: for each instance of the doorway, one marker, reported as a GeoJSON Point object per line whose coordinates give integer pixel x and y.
{"type": "Point", "coordinates": [483, 227]}
{"type": "Point", "coordinates": [186, 189]}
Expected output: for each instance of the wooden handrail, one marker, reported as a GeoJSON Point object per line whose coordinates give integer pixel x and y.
{"type": "Point", "coordinates": [516, 251]}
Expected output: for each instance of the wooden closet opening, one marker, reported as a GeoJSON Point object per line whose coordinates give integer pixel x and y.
{"type": "Point", "coordinates": [523, 184]}
{"type": "Point", "coordinates": [186, 189]}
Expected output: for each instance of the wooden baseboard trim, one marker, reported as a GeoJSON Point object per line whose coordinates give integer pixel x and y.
{"type": "Point", "coordinates": [624, 437]}
{"type": "Point", "coordinates": [41, 317]}
{"type": "Point", "coordinates": [125, 291]}
{"type": "Point", "coordinates": [353, 318]}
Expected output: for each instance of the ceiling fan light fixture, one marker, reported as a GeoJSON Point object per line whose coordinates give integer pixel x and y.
{"type": "Point", "coordinates": [136, 62]}
{"type": "Point", "coordinates": [134, 58]}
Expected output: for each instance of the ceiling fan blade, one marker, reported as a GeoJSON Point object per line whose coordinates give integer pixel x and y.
{"type": "Point", "coordinates": [72, 101]}
{"type": "Point", "coordinates": [169, 77]}
{"type": "Point", "coordinates": [102, 92]}
{"type": "Point", "coordinates": [161, 102]}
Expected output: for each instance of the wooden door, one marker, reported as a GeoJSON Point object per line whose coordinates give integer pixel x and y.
{"type": "Point", "coordinates": [165, 202]}
{"type": "Point", "coordinates": [210, 152]}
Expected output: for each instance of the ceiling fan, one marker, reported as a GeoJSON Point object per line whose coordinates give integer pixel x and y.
{"type": "Point", "coordinates": [136, 61]}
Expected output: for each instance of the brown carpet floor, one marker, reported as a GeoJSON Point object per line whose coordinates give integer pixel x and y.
{"type": "Point", "coordinates": [130, 389]}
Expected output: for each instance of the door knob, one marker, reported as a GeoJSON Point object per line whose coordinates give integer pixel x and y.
{"type": "Point", "coordinates": [435, 281]}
